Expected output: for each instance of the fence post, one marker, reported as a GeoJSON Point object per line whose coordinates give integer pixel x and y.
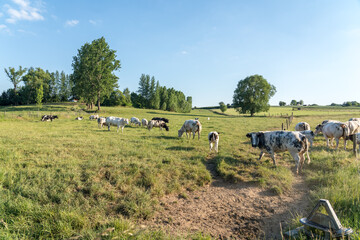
{"type": "Point", "coordinates": [282, 126]}
{"type": "Point", "coordinates": [354, 144]}
{"type": "Point", "coordinates": [287, 124]}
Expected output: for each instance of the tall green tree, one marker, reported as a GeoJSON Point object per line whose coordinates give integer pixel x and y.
{"type": "Point", "coordinates": [93, 69]}
{"type": "Point", "coordinates": [15, 77]}
{"type": "Point", "coordinates": [252, 95]}
{"type": "Point", "coordinates": [293, 102]}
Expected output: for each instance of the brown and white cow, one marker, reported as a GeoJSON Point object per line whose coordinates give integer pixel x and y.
{"type": "Point", "coordinates": [280, 141]}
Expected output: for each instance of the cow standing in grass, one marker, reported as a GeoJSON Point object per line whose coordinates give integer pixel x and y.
{"type": "Point", "coordinates": [280, 141]}
{"type": "Point", "coordinates": [213, 138]}
{"type": "Point", "coordinates": [190, 126]}
{"type": "Point", "coordinates": [116, 121]}
{"type": "Point", "coordinates": [302, 126]}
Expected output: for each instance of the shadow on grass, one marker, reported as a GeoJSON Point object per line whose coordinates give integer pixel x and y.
{"type": "Point", "coordinates": [184, 114]}
{"type": "Point", "coordinates": [179, 148]}
{"type": "Point", "coordinates": [160, 137]}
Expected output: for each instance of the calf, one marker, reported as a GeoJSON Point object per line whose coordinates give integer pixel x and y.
{"type": "Point", "coordinates": [157, 123]}
{"type": "Point", "coordinates": [79, 118]}
{"type": "Point", "coordinates": [213, 140]}
{"type": "Point", "coordinates": [190, 126]}
{"type": "Point", "coordinates": [302, 126]}
{"type": "Point", "coordinates": [116, 121]}
{"type": "Point", "coordinates": [135, 121]}
{"type": "Point", "coordinates": [101, 121]}
{"type": "Point", "coordinates": [280, 141]}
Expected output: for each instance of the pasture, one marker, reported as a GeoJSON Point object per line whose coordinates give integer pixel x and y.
{"type": "Point", "coordinates": [69, 179]}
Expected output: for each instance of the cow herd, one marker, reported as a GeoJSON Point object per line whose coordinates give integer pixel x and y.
{"type": "Point", "coordinates": [297, 142]}
{"type": "Point", "coordinates": [189, 127]}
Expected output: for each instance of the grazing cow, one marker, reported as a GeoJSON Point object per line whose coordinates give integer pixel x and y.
{"type": "Point", "coordinates": [48, 117]}
{"type": "Point", "coordinates": [161, 119]}
{"type": "Point", "coordinates": [116, 121]}
{"type": "Point", "coordinates": [101, 121]}
{"type": "Point", "coordinates": [144, 122]}
{"type": "Point", "coordinates": [135, 121]}
{"type": "Point", "coordinates": [157, 123]}
{"type": "Point", "coordinates": [280, 141]}
{"type": "Point", "coordinates": [213, 140]}
{"type": "Point", "coordinates": [190, 126]}
{"type": "Point", "coordinates": [309, 135]}
{"type": "Point", "coordinates": [318, 128]}
{"type": "Point", "coordinates": [354, 119]}
{"type": "Point", "coordinates": [302, 126]}
{"type": "Point", "coordinates": [93, 117]}
{"type": "Point", "coordinates": [79, 118]}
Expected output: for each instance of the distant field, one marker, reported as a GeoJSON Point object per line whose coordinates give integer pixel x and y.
{"type": "Point", "coordinates": [69, 178]}
{"type": "Point", "coordinates": [305, 111]}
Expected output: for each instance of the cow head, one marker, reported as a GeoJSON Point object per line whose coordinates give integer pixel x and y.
{"type": "Point", "coordinates": [346, 129]}
{"type": "Point", "coordinates": [318, 129]}
{"type": "Point", "coordinates": [255, 138]}
{"type": "Point", "coordinates": [180, 133]}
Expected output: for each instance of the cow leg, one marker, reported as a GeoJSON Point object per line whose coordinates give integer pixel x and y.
{"type": "Point", "coordinates": [298, 161]}
{"type": "Point", "coordinates": [198, 135]}
{"type": "Point", "coordinates": [108, 127]}
{"type": "Point", "coordinates": [193, 135]}
{"type": "Point", "coordinates": [337, 143]}
{"type": "Point", "coordinates": [122, 129]}
{"type": "Point", "coordinates": [273, 158]}
{"type": "Point", "coordinates": [261, 155]}
{"type": "Point", "coordinates": [345, 143]}
{"type": "Point", "coordinates": [210, 143]}
{"type": "Point", "coordinates": [216, 146]}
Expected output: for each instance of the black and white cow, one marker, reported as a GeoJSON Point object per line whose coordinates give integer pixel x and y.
{"type": "Point", "coordinates": [280, 141]}
{"type": "Point", "coordinates": [213, 140]}
{"type": "Point", "coordinates": [161, 119]}
{"type": "Point", "coordinates": [48, 117]}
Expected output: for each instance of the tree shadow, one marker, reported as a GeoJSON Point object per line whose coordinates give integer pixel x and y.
{"type": "Point", "coordinates": [160, 137]}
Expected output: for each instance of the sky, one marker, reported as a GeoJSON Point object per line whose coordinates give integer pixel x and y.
{"type": "Point", "coordinates": [309, 50]}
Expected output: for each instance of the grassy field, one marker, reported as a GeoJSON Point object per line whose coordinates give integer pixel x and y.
{"type": "Point", "coordinates": [69, 178]}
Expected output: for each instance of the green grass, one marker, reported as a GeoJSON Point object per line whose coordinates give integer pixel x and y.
{"type": "Point", "coordinates": [69, 178]}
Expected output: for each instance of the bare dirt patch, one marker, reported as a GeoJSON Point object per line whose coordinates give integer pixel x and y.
{"type": "Point", "coordinates": [231, 211]}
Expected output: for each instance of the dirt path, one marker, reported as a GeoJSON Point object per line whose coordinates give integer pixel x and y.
{"type": "Point", "coordinates": [231, 211]}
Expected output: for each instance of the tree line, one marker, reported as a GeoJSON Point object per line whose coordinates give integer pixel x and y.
{"type": "Point", "coordinates": [92, 81]}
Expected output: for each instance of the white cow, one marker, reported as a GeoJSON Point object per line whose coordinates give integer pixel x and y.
{"type": "Point", "coordinates": [101, 121]}
{"type": "Point", "coordinates": [79, 118]}
{"type": "Point", "coordinates": [280, 141]}
{"type": "Point", "coordinates": [93, 117]}
{"type": "Point", "coordinates": [302, 126]}
{"type": "Point", "coordinates": [213, 140]}
{"type": "Point", "coordinates": [144, 122]}
{"type": "Point", "coordinates": [135, 121]}
{"type": "Point", "coordinates": [116, 121]}
{"type": "Point", "coordinates": [333, 130]}
{"type": "Point", "coordinates": [190, 126]}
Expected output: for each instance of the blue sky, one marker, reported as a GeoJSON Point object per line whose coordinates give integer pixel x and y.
{"type": "Point", "coordinates": [308, 50]}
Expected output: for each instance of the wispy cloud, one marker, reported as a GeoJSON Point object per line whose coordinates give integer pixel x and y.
{"type": "Point", "coordinates": [23, 11]}
{"type": "Point", "coordinates": [4, 29]}
{"type": "Point", "coordinates": [2, 26]}
{"type": "Point", "coordinates": [71, 23]}
{"type": "Point", "coordinates": [1, 14]}
{"type": "Point", "coordinates": [95, 22]}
